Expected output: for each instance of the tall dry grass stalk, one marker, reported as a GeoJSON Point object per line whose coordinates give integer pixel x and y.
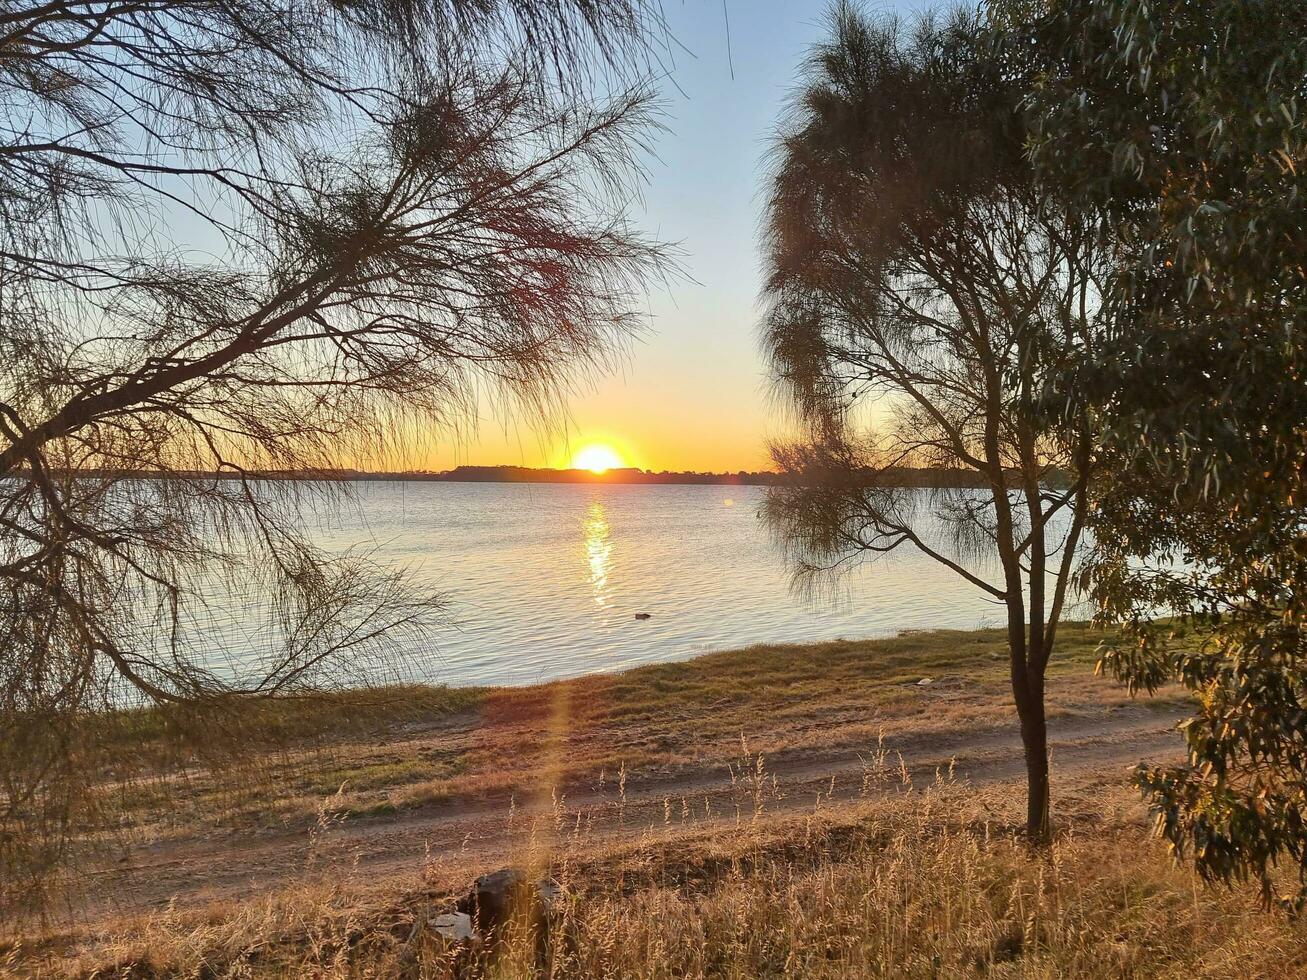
{"type": "Point", "coordinates": [921, 885]}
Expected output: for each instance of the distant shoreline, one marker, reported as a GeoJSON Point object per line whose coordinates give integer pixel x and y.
{"type": "Point", "coordinates": [528, 474]}
{"type": "Point", "coordinates": [628, 476]}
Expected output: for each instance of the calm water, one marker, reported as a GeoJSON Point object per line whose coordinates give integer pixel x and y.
{"type": "Point", "coordinates": [546, 580]}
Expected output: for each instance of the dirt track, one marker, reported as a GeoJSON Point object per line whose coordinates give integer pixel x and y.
{"type": "Point", "coordinates": [490, 829]}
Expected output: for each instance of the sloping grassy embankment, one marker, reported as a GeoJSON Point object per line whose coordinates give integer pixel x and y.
{"type": "Point", "coordinates": [907, 877]}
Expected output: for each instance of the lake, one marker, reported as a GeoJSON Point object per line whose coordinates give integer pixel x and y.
{"type": "Point", "coordinates": [546, 580]}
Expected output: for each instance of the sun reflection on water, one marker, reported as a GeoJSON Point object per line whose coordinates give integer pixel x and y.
{"type": "Point", "coordinates": [598, 551]}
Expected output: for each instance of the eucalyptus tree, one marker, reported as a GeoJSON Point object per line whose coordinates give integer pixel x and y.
{"type": "Point", "coordinates": [1183, 123]}
{"type": "Point", "coordinates": [246, 237]}
{"type": "Point", "coordinates": [924, 303]}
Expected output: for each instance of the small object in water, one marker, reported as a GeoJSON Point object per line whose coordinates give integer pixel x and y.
{"type": "Point", "coordinates": [925, 681]}
{"type": "Point", "coordinates": [643, 615]}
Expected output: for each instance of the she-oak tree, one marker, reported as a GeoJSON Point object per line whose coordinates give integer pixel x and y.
{"type": "Point", "coordinates": [262, 236]}
{"type": "Point", "coordinates": [924, 301]}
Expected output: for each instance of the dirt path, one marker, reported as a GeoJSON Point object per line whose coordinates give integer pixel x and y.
{"type": "Point", "coordinates": [490, 829]}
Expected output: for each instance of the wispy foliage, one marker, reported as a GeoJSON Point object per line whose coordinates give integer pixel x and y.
{"type": "Point", "coordinates": [247, 238]}
{"type": "Point", "coordinates": [924, 302]}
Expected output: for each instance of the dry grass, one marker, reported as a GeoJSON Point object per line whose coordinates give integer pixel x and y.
{"type": "Point", "coordinates": [399, 749]}
{"type": "Point", "coordinates": [930, 884]}
{"type": "Point", "coordinates": [897, 881]}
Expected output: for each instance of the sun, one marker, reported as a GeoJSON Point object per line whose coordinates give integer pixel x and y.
{"type": "Point", "coordinates": [597, 458]}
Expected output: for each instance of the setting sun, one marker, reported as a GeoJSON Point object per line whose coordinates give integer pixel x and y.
{"type": "Point", "coordinates": [597, 459]}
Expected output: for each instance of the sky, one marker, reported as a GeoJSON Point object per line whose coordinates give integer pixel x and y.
{"type": "Point", "coordinates": [692, 394]}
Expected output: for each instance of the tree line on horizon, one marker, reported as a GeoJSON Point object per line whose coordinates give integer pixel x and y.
{"type": "Point", "coordinates": [1054, 245]}
{"type": "Point", "coordinates": [504, 473]}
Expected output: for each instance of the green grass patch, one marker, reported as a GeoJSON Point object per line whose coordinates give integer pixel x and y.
{"type": "Point", "coordinates": [223, 722]}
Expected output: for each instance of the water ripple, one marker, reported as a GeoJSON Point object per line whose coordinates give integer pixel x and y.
{"type": "Point", "coordinates": [546, 580]}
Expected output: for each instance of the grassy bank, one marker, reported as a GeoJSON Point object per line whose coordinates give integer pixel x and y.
{"type": "Point", "coordinates": [777, 811]}
{"type": "Point", "coordinates": [388, 750]}
{"type": "Point", "coordinates": [870, 669]}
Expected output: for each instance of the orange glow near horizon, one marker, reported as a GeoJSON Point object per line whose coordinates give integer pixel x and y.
{"type": "Point", "coordinates": [597, 457]}
{"type": "Point", "coordinates": [668, 439]}
{"type": "Point", "coordinates": [598, 449]}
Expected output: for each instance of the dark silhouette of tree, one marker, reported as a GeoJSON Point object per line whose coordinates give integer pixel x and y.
{"type": "Point", "coordinates": [1182, 123]}
{"type": "Point", "coordinates": [267, 236]}
{"type": "Point", "coordinates": [924, 301]}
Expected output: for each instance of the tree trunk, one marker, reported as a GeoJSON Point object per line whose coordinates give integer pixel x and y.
{"type": "Point", "coordinates": [1028, 693]}
{"type": "Point", "coordinates": [1034, 737]}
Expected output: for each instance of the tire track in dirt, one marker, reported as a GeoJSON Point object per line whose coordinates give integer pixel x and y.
{"type": "Point", "coordinates": [487, 831]}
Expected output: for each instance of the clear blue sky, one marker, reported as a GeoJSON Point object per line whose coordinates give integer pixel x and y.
{"type": "Point", "coordinates": [693, 394]}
